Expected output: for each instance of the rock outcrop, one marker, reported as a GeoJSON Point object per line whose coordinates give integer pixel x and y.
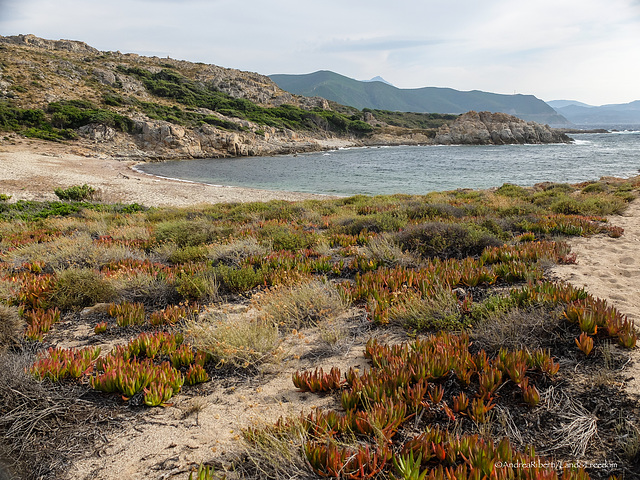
{"type": "Point", "coordinates": [486, 128]}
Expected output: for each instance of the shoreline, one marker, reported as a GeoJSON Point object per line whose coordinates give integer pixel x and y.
{"type": "Point", "coordinates": [32, 169]}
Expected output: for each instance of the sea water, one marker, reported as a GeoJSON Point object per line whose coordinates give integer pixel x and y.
{"type": "Point", "coordinates": [418, 169]}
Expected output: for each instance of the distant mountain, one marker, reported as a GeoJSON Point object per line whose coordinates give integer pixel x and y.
{"type": "Point", "coordinates": [382, 96]}
{"type": "Point", "coordinates": [565, 103]}
{"type": "Point", "coordinates": [613, 114]}
{"type": "Point", "coordinates": [378, 79]}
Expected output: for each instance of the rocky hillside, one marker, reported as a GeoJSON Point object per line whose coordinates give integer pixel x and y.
{"type": "Point", "coordinates": [126, 105]}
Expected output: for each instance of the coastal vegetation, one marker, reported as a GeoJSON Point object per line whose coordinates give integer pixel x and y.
{"type": "Point", "coordinates": [492, 363]}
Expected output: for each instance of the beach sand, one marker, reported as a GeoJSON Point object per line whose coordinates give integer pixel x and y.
{"type": "Point", "coordinates": [33, 169]}
{"type": "Point", "coordinates": [609, 268]}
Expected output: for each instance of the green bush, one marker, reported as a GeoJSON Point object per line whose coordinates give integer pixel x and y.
{"type": "Point", "coordinates": [76, 193]}
{"type": "Point", "coordinates": [284, 238]}
{"type": "Point", "coordinates": [446, 240]}
{"type": "Point", "coordinates": [423, 211]}
{"type": "Point", "coordinates": [199, 287]}
{"type": "Point", "coordinates": [169, 84]}
{"type": "Point", "coordinates": [377, 223]}
{"type": "Point", "coordinates": [595, 187]}
{"type": "Point", "coordinates": [187, 233]}
{"type": "Point", "coordinates": [188, 254]}
{"type": "Point", "coordinates": [512, 191]}
{"type": "Point", "coordinates": [76, 288]}
{"type": "Point", "coordinates": [239, 280]}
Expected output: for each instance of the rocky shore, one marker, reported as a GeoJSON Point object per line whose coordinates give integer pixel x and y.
{"type": "Point", "coordinates": [157, 140]}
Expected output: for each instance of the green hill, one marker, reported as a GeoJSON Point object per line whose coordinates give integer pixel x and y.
{"type": "Point", "coordinates": [379, 95]}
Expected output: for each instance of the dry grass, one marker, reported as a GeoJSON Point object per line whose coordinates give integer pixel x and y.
{"type": "Point", "coordinates": [386, 250]}
{"type": "Point", "coordinates": [439, 311]}
{"type": "Point", "coordinates": [77, 250]}
{"type": "Point", "coordinates": [238, 339]}
{"type": "Point", "coordinates": [234, 252]}
{"type": "Point", "coordinates": [44, 427]}
{"type": "Point", "coordinates": [146, 288]}
{"type": "Point", "coordinates": [514, 329]}
{"type": "Point", "coordinates": [11, 326]}
{"type": "Point", "coordinates": [302, 305]}
{"type": "Point", "coordinates": [578, 426]}
{"type": "Point", "coordinates": [274, 452]}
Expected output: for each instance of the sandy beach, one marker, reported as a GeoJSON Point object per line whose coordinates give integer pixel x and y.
{"type": "Point", "coordinates": [32, 169]}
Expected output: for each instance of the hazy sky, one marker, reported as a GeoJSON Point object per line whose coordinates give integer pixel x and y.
{"type": "Point", "coordinates": [586, 50]}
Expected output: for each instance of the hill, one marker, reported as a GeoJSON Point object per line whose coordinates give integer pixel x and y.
{"type": "Point", "coordinates": [127, 105]}
{"type": "Point", "coordinates": [618, 115]}
{"type": "Point", "coordinates": [379, 95]}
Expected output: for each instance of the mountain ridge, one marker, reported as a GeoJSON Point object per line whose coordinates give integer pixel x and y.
{"type": "Point", "coordinates": [382, 96]}
{"type": "Point", "coordinates": [579, 113]}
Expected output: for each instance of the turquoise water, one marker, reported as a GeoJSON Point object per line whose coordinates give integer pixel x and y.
{"type": "Point", "coordinates": [418, 170]}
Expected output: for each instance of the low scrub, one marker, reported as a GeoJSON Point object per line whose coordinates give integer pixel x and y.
{"type": "Point", "coordinates": [446, 240]}
{"type": "Point", "coordinates": [76, 193]}
{"type": "Point", "coordinates": [441, 310]}
{"type": "Point", "coordinates": [76, 288]}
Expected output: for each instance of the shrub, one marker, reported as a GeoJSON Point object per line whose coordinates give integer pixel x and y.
{"type": "Point", "coordinates": [595, 187]}
{"type": "Point", "coordinates": [513, 191]}
{"type": "Point", "coordinates": [187, 233]}
{"type": "Point", "coordinates": [76, 288]}
{"type": "Point", "coordinates": [188, 254]}
{"type": "Point", "coordinates": [384, 250]}
{"type": "Point", "coordinates": [446, 240]}
{"type": "Point", "coordinates": [285, 238]}
{"type": "Point", "coordinates": [148, 288]}
{"type": "Point", "coordinates": [376, 223]}
{"type": "Point", "coordinates": [422, 211]}
{"type": "Point", "coordinates": [513, 328]}
{"type": "Point", "coordinates": [199, 286]}
{"type": "Point", "coordinates": [239, 280]}
{"type": "Point", "coordinates": [233, 253]}
{"type": "Point", "coordinates": [75, 193]}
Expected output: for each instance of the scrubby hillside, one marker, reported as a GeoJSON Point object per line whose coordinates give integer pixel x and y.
{"type": "Point", "coordinates": [133, 106]}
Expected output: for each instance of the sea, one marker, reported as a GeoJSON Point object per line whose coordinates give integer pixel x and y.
{"type": "Point", "coordinates": [419, 169]}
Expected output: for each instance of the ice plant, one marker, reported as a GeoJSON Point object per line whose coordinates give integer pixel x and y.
{"type": "Point", "coordinates": [318, 381]}
{"type": "Point", "coordinates": [62, 363]}
{"type": "Point", "coordinates": [195, 374]}
{"type": "Point", "coordinates": [100, 328]}
{"type": "Point", "coordinates": [40, 321]}
{"type": "Point", "coordinates": [127, 313]}
{"type": "Point", "coordinates": [584, 343]}
{"type": "Point", "coordinates": [529, 393]}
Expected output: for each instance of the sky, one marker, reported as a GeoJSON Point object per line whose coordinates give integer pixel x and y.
{"type": "Point", "coordinates": [585, 50]}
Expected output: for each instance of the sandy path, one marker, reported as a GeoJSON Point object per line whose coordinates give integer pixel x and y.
{"type": "Point", "coordinates": [32, 169]}
{"type": "Point", "coordinates": [609, 268]}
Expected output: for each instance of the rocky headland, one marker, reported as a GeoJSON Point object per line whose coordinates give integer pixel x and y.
{"type": "Point", "coordinates": [170, 112]}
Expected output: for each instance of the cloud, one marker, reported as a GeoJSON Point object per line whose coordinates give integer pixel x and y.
{"type": "Point", "coordinates": [547, 48]}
